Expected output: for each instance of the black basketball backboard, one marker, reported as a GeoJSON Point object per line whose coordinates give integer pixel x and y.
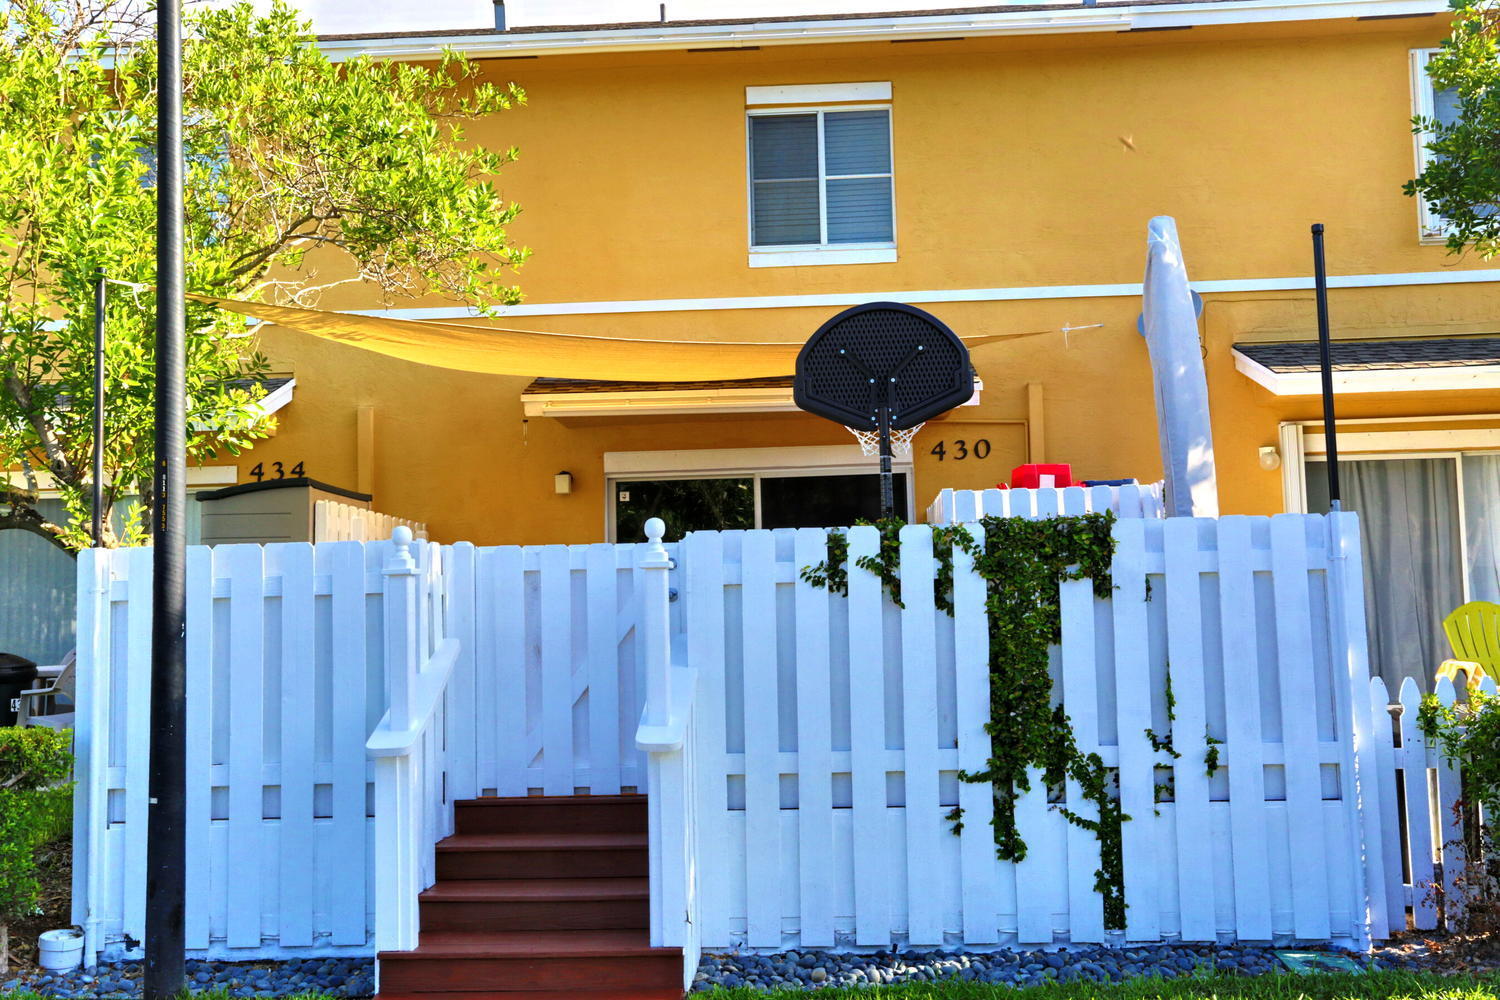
{"type": "Point", "coordinates": [882, 355]}
{"type": "Point", "coordinates": [883, 366]}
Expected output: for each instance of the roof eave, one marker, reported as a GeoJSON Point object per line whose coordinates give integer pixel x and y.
{"type": "Point", "coordinates": [1029, 21]}
{"type": "Point", "coordinates": [1440, 378]}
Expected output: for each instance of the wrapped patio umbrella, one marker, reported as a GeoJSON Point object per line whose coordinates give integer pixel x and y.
{"type": "Point", "coordinates": [1169, 322]}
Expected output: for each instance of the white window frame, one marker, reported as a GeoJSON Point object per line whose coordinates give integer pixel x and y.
{"type": "Point", "coordinates": [741, 463]}
{"type": "Point", "coordinates": [1431, 227]}
{"type": "Point", "coordinates": [1457, 457]}
{"type": "Point", "coordinates": [1301, 440]}
{"type": "Point", "coordinates": [801, 254]}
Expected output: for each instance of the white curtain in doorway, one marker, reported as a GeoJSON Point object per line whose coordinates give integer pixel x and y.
{"type": "Point", "coordinates": [1482, 525]}
{"type": "Point", "coordinates": [1409, 526]}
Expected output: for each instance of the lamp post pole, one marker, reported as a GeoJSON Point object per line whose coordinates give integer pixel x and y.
{"type": "Point", "coordinates": [96, 499]}
{"type": "Point", "coordinates": [1325, 365]}
{"type": "Point", "coordinates": [166, 845]}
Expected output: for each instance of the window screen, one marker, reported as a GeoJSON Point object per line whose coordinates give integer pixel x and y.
{"type": "Point", "coordinates": [821, 178]}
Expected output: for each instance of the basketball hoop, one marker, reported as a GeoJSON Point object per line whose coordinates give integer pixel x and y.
{"type": "Point", "coordinates": [869, 441]}
{"type": "Point", "coordinates": [881, 369]}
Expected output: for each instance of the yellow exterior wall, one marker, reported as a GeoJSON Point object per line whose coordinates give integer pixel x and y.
{"type": "Point", "coordinates": [1019, 162]}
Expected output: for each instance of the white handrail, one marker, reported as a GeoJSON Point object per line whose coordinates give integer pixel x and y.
{"type": "Point", "coordinates": [432, 684]}
{"type": "Point", "coordinates": [665, 733]}
{"type": "Point", "coordinates": [408, 747]}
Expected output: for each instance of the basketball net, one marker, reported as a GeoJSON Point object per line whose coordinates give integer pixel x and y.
{"type": "Point", "coordinates": [869, 441]}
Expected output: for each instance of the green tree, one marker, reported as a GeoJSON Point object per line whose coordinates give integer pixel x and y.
{"type": "Point", "coordinates": [1461, 181]}
{"type": "Point", "coordinates": [301, 174]}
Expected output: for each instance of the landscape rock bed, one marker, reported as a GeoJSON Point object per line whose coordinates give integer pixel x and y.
{"type": "Point", "coordinates": [813, 969]}
{"type": "Point", "coordinates": [338, 977]}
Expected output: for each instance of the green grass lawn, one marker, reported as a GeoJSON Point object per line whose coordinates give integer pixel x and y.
{"type": "Point", "coordinates": [1370, 986]}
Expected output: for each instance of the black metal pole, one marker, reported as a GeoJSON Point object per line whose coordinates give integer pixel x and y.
{"type": "Point", "coordinates": [165, 844]}
{"type": "Point", "coordinates": [887, 484]}
{"type": "Point", "coordinates": [1325, 360]}
{"type": "Point", "coordinates": [96, 499]}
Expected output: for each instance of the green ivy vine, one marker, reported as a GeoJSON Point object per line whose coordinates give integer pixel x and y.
{"type": "Point", "coordinates": [1022, 562]}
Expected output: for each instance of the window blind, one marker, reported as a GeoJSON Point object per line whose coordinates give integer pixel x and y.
{"type": "Point", "coordinates": [796, 201]}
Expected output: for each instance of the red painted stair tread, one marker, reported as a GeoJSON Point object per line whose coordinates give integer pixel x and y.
{"type": "Point", "coordinates": [507, 890]}
{"type": "Point", "coordinates": [537, 899]}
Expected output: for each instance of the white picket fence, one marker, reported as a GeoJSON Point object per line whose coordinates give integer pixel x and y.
{"type": "Point", "coordinates": [286, 680]}
{"type": "Point", "coordinates": [1422, 835]}
{"type": "Point", "coordinates": [298, 655]}
{"type": "Point", "coordinates": [964, 506]}
{"type": "Point", "coordinates": [829, 731]}
{"type": "Point", "coordinates": [800, 748]}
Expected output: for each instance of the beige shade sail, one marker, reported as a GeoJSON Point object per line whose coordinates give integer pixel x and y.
{"type": "Point", "coordinates": [494, 350]}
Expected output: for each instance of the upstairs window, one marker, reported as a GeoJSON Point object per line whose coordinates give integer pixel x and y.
{"type": "Point", "coordinates": [821, 182]}
{"type": "Point", "coordinates": [1429, 102]}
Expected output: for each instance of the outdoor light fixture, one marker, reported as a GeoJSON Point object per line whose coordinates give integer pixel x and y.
{"type": "Point", "coordinates": [1270, 458]}
{"type": "Point", "coordinates": [562, 483]}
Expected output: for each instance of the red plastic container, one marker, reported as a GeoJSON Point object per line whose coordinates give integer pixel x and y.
{"type": "Point", "coordinates": [1030, 477]}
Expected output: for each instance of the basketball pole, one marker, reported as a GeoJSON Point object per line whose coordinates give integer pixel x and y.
{"type": "Point", "coordinates": [887, 477]}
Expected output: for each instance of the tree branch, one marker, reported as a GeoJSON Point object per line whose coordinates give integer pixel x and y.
{"type": "Point", "coordinates": [23, 516]}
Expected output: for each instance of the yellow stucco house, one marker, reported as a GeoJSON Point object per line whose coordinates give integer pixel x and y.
{"type": "Point", "coordinates": [745, 180]}
{"type": "Point", "coordinates": [997, 166]}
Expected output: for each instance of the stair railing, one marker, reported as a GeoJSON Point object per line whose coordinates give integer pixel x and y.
{"type": "Point", "coordinates": [408, 747]}
{"type": "Point", "coordinates": [666, 734]}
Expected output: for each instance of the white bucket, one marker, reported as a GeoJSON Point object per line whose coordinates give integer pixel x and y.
{"type": "Point", "coordinates": [60, 950]}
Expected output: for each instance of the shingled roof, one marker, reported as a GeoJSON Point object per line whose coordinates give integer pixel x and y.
{"type": "Point", "coordinates": [1374, 355]}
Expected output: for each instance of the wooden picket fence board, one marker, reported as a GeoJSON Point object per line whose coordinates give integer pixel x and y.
{"type": "Point", "coordinates": [963, 506]}
{"type": "Point", "coordinates": [345, 522]}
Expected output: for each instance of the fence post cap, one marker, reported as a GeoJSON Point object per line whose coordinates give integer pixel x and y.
{"type": "Point", "coordinates": [400, 560]}
{"type": "Point", "coordinates": [655, 554]}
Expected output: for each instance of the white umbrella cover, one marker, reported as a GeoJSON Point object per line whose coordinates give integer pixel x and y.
{"type": "Point", "coordinates": [1169, 321]}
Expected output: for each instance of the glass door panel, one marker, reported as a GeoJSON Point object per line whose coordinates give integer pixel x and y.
{"type": "Point", "coordinates": [825, 501]}
{"type": "Point", "coordinates": [684, 504]}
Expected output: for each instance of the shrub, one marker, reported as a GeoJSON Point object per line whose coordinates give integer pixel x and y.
{"type": "Point", "coordinates": [35, 800]}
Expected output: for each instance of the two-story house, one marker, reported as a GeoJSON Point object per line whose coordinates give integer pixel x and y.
{"type": "Point", "coordinates": [698, 177]}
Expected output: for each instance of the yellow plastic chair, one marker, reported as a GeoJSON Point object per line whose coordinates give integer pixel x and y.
{"type": "Point", "coordinates": [1473, 631]}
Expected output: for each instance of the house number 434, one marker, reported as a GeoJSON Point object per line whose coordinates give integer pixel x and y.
{"type": "Point", "coordinates": [276, 471]}
{"type": "Point", "coordinates": [959, 449]}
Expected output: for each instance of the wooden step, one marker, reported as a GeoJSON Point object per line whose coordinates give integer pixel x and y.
{"type": "Point", "coordinates": [552, 814]}
{"type": "Point", "coordinates": [543, 904]}
{"type": "Point", "coordinates": [542, 855]}
{"type": "Point", "coordinates": [469, 961]}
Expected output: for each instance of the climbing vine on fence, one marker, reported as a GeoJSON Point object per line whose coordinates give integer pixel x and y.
{"type": "Point", "coordinates": [1022, 562]}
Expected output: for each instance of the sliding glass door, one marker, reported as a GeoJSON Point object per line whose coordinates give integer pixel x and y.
{"type": "Point", "coordinates": [1430, 530]}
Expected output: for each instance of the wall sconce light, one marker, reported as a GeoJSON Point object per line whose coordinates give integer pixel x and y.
{"type": "Point", "coordinates": [562, 482]}
{"type": "Point", "coordinates": [1270, 458]}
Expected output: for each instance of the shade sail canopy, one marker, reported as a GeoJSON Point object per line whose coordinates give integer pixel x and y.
{"type": "Point", "coordinates": [496, 351]}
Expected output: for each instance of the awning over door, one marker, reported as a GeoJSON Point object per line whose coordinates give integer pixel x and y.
{"type": "Point", "coordinates": [1415, 364]}
{"type": "Point", "coordinates": [565, 397]}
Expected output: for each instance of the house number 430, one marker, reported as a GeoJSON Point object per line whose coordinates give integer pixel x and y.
{"type": "Point", "coordinates": [961, 449]}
